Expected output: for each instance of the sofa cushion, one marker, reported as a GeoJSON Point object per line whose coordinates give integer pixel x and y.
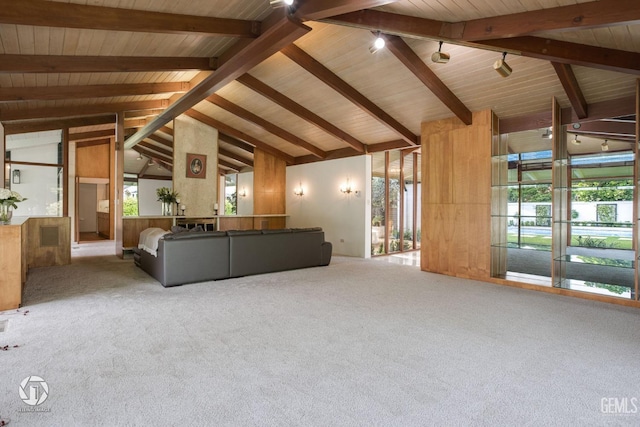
{"type": "Point", "coordinates": [304, 230]}
{"type": "Point", "coordinates": [243, 232]}
{"type": "Point", "coordinates": [277, 231]}
{"type": "Point", "coordinates": [189, 235]}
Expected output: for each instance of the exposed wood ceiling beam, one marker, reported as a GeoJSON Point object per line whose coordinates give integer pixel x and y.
{"type": "Point", "coordinates": [157, 149]}
{"type": "Point", "coordinates": [534, 47]}
{"type": "Point", "coordinates": [297, 109]}
{"type": "Point", "coordinates": [100, 64]}
{"type": "Point", "coordinates": [227, 139]}
{"type": "Point", "coordinates": [229, 165]}
{"type": "Point", "coordinates": [275, 36]}
{"type": "Point", "coordinates": [597, 111]}
{"type": "Point", "coordinates": [70, 15]}
{"type": "Point", "coordinates": [234, 156]}
{"type": "Point", "coordinates": [145, 114]}
{"type": "Point", "coordinates": [314, 10]}
{"type": "Point", "coordinates": [412, 61]}
{"type": "Point", "coordinates": [605, 127]}
{"type": "Point", "coordinates": [570, 53]}
{"type": "Point", "coordinates": [572, 89]}
{"type": "Point", "coordinates": [340, 153]}
{"type": "Point", "coordinates": [314, 67]}
{"type": "Point", "coordinates": [50, 93]}
{"type": "Point", "coordinates": [153, 154]}
{"type": "Point", "coordinates": [78, 110]}
{"type": "Point", "coordinates": [167, 130]}
{"type": "Point", "coordinates": [228, 130]}
{"type": "Point", "coordinates": [265, 124]}
{"type": "Point", "coordinates": [573, 17]}
{"type": "Point", "coordinates": [83, 136]}
{"type": "Point", "coordinates": [42, 125]}
{"type": "Point", "coordinates": [135, 123]}
{"type": "Point", "coordinates": [160, 140]}
{"type": "Point", "coordinates": [386, 146]}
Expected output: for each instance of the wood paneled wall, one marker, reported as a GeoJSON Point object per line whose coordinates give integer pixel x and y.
{"type": "Point", "coordinates": [269, 184]}
{"type": "Point", "coordinates": [93, 161]}
{"type": "Point", "coordinates": [456, 197]}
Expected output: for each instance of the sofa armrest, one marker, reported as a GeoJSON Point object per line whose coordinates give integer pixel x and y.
{"type": "Point", "coordinates": [326, 250]}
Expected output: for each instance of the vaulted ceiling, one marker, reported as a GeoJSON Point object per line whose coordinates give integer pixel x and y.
{"type": "Point", "coordinates": [300, 82]}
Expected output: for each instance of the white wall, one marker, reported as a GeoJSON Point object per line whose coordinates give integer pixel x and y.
{"type": "Point", "coordinates": [245, 204]}
{"type": "Point", "coordinates": [346, 219]}
{"type": "Point", "coordinates": [148, 203]}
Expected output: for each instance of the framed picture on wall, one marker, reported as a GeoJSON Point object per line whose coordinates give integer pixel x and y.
{"type": "Point", "coordinates": [196, 165]}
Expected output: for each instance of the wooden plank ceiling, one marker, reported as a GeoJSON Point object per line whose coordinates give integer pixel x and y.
{"type": "Point", "coordinates": [300, 81]}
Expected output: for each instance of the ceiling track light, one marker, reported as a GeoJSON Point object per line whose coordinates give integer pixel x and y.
{"type": "Point", "coordinates": [378, 44]}
{"type": "Point", "coordinates": [547, 134]}
{"type": "Point", "coordinates": [502, 67]}
{"type": "Point", "coordinates": [576, 141]}
{"type": "Point", "coordinates": [440, 57]}
{"type": "Point", "coordinates": [605, 146]}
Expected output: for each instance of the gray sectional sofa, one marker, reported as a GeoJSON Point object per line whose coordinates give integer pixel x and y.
{"type": "Point", "coordinates": [190, 257]}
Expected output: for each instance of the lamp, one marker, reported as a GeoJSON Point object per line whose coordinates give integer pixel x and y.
{"type": "Point", "coordinates": [378, 44]}
{"type": "Point", "coordinates": [15, 176]}
{"type": "Point", "coordinates": [299, 191]}
{"type": "Point", "coordinates": [502, 67]}
{"type": "Point", "coordinates": [440, 57]}
{"type": "Point", "coordinates": [604, 146]}
{"type": "Point", "coordinates": [576, 141]}
{"type": "Point", "coordinates": [280, 3]}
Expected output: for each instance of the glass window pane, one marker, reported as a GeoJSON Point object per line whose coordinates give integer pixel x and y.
{"type": "Point", "coordinates": [393, 227]}
{"type": "Point", "coordinates": [378, 203]}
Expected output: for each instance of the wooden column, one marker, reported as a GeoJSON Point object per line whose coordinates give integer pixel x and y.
{"type": "Point", "coordinates": [116, 180]}
{"type": "Point", "coordinates": [269, 188]}
{"type": "Point", "coordinates": [456, 197]}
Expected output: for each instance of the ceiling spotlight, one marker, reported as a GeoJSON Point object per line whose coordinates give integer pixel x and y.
{"type": "Point", "coordinates": [150, 162]}
{"type": "Point", "coordinates": [378, 44]}
{"type": "Point", "coordinates": [440, 57]}
{"type": "Point", "coordinates": [576, 141]}
{"type": "Point", "coordinates": [605, 146]}
{"type": "Point", "coordinates": [547, 134]}
{"type": "Point", "coordinates": [280, 3]}
{"type": "Point", "coordinates": [502, 67]}
{"type": "Point", "coordinates": [139, 157]}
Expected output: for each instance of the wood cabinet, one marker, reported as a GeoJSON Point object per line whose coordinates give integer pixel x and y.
{"type": "Point", "coordinates": [104, 229]}
{"type": "Point", "coordinates": [27, 243]}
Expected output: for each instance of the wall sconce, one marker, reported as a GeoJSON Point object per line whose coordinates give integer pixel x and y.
{"type": "Point", "coordinates": [243, 192]}
{"type": "Point", "coordinates": [15, 176]}
{"type": "Point", "coordinates": [299, 191]}
{"type": "Point", "coordinates": [347, 189]}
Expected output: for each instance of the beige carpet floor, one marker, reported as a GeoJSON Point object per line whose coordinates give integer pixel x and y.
{"type": "Point", "coordinates": [357, 343]}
